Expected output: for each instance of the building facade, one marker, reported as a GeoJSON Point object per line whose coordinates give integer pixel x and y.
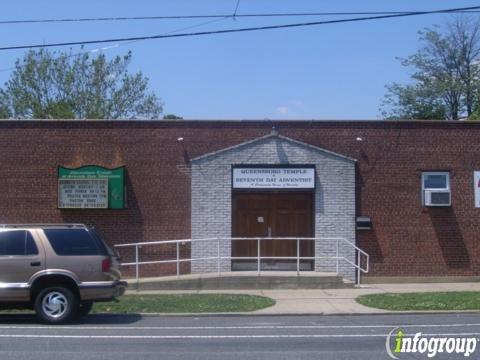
{"type": "Point", "coordinates": [407, 193]}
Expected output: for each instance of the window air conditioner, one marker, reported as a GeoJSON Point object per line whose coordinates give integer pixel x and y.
{"type": "Point", "coordinates": [438, 198]}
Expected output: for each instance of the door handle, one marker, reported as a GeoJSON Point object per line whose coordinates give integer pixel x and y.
{"type": "Point", "coordinates": [35, 263]}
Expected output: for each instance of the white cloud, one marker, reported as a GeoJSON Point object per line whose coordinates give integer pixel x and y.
{"type": "Point", "coordinates": [283, 110]}
{"type": "Point", "coordinates": [293, 108]}
{"type": "Point", "coordinates": [297, 103]}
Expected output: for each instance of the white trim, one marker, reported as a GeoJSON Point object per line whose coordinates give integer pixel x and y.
{"type": "Point", "coordinates": [476, 188]}
{"type": "Point", "coordinates": [428, 173]}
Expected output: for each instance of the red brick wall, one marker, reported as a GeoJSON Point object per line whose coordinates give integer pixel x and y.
{"type": "Point", "coordinates": [407, 239]}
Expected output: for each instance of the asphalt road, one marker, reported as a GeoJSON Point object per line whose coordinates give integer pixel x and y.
{"type": "Point", "coordinates": [224, 337]}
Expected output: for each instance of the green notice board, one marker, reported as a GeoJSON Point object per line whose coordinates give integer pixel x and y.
{"type": "Point", "coordinates": [89, 185]}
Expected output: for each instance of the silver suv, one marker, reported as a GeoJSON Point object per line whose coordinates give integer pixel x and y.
{"type": "Point", "coordinates": [59, 270]}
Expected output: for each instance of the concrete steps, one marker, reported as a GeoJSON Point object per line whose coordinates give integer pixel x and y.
{"type": "Point", "coordinates": [243, 280]}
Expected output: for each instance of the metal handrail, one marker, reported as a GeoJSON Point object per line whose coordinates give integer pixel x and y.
{"type": "Point", "coordinates": [161, 242]}
{"type": "Point", "coordinates": [259, 258]}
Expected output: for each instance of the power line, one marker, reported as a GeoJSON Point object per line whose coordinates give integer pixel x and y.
{"type": "Point", "coordinates": [129, 42]}
{"type": "Point", "coordinates": [248, 29]}
{"type": "Point", "coordinates": [178, 17]}
{"type": "Point", "coordinates": [234, 15]}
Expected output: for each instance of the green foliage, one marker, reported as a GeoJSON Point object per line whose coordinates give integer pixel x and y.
{"type": "Point", "coordinates": [51, 85]}
{"type": "Point", "coordinates": [55, 110]}
{"type": "Point", "coordinates": [4, 108]}
{"type": "Point", "coordinates": [445, 78]}
{"type": "Point", "coordinates": [412, 102]}
{"type": "Point", "coordinates": [475, 115]}
{"type": "Point", "coordinates": [172, 117]}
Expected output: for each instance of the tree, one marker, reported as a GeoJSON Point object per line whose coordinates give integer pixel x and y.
{"type": "Point", "coordinates": [51, 85]}
{"type": "Point", "coordinates": [411, 102]}
{"type": "Point", "coordinates": [445, 81]}
{"type": "Point", "coordinates": [466, 36]}
{"type": "Point", "coordinates": [172, 117]}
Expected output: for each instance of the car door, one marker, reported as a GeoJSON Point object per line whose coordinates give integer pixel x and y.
{"type": "Point", "coordinates": [20, 256]}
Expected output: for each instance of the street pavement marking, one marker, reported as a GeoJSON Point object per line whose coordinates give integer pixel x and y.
{"type": "Point", "coordinates": [158, 337]}
{"type": "Point", "coordinates": [246, 327]}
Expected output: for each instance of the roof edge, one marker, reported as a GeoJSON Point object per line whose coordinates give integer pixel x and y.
{"type": "Point", "coordinates": [273, 135]}
{"type": "Point", "coordinates": [252, 120]}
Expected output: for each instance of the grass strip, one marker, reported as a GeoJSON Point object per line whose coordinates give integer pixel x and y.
{"type": "Point", "coordinates": [184, 303]}
{"type": "Point", "coordinates": [462, 300]}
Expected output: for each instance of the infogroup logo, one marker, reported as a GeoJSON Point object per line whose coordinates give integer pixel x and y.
{"type": "Point", "coordinates": [397, 343]}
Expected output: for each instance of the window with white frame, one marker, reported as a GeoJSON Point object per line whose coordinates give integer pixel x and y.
{"type": "Point", "coordinates": [436, 188]}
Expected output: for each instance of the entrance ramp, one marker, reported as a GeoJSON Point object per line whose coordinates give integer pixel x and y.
{"type": "Point", "coordinates": [243, 280]}
{"type": "Point", "coordinates": [338, 266]}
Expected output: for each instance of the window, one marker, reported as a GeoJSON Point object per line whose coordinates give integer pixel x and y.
{"type": "Point", "coordinates": [436, 181]}
{"type": "Point", "coordinates": [17, 243]}
{"type": "Point", "coordinates": [73, 242]}
{"type": "Point", "coordinates": [436, 188]}
{"type": "Point", "coordinates": [101, 243]}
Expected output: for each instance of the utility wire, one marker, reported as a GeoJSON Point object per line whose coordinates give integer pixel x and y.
{"type": "Point", "coordinates": [234, 15]}
{"type": "Point", "coordinates": [227, 31]}
{"type": "Point", "coordinates": [125, 43]}
{"type": "Point", "coordinates": [177, 17]}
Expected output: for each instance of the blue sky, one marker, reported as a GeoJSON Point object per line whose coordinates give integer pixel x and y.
{"type": "Point", "coordinates": [325, 72]}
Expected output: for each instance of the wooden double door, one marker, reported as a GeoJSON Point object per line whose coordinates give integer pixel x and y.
{"type": "Point", "coordinates": [276, 215]}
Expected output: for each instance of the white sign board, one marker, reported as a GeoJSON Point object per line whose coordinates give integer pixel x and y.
{"type": "Point", "coordinates": [83, 193]}
{"type": "Point", "coordinates": [476, 184]}
{"type": "Point", "coordinates": [273, 178]}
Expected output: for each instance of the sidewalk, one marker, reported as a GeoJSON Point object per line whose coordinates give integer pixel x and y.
{"type": "Point", "coordinates": [329, 301]}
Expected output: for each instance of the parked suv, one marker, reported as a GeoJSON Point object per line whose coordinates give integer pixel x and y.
{"type": "Point", "coordinates": [58, 270]}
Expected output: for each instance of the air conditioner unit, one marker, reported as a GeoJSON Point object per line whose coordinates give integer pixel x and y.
{"type": "Point", "coordinates": [438, 198]}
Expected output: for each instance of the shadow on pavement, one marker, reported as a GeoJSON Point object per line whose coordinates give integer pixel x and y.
{"type": "Point", "coordinates": [94, 319]}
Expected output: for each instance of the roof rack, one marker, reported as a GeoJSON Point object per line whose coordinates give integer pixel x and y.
{"type": "Point", "coordinates": [43, 225]}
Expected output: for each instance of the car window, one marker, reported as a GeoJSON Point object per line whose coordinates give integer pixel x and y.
{"type": "Point", "coordinates": [17, 243]}
{"type": "Point", "coordinates": [72, 242]}
{"type": "Point", "coordinates": [101, 243]}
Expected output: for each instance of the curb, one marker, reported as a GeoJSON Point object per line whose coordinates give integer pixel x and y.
{"type": "Point", "coordinates": [240, 314]}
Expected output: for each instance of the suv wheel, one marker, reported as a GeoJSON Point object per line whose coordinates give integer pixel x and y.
{"type": "Point", "coordinates": [56, 305]}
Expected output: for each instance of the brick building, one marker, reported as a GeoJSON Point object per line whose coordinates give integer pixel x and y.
{"type": "Point", "coordinates": [404, 192]}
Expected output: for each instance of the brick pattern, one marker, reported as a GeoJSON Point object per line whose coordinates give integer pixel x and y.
{"type": "Point", "coordinates": [334, 199]}
{"type": "Point", "coordinates": [407, 239]}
